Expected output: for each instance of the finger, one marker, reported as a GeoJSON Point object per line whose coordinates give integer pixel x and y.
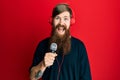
{"type": "Point", "coordinates": [53, 54]}
{"type": "Point", "coordinates": [49, 61]}
{"type": "Point", "coordinates": [56, 54]}
{"type": "Point", "coordinates": [50, 55]}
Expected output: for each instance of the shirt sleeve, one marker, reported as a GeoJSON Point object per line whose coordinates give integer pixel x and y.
{"type": "Point", "coordinates": [39, 53]}
{"type": "Point", "coordinates": [85, 73]}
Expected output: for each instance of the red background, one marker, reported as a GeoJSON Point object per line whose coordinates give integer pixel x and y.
{"type": "Point", "coordinates": [23, 23]}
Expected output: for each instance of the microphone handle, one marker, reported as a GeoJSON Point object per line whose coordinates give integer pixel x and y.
{"type": "Point", "coordinates": [53, 51]}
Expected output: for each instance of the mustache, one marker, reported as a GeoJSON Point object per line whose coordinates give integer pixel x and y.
{"type": "Point", "coordinates": [63, 26]}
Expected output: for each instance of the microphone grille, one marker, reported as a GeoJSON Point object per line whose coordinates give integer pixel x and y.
{"type": "Point", "coordinates": [53, 47]}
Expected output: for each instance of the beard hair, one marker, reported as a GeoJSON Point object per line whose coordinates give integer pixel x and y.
{"type": "Point", "coordinates": [63, 41]}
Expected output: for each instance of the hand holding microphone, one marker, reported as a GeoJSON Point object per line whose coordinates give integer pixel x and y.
{"type": "Point", "coordinates": [48, 59]}
{"type": "Point", "coordinates": [50, 56]}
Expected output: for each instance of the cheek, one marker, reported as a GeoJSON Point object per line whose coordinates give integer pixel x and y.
{"type": "Point", "coordinates": [68, 25]}
{"type": "Point", "coordinates": [55, 22]}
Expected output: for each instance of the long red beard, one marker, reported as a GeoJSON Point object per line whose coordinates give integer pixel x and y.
{"type": "Point", "coordinates": [63, 41]}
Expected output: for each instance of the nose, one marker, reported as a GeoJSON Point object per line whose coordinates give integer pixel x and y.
{"type": "Point", "coordinates": [61, 21]}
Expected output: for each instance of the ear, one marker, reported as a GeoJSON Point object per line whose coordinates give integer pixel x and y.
{"type": "Point", "coordinates": [50, 20]}
{"type": "Point", "coordinates": [72, 21]}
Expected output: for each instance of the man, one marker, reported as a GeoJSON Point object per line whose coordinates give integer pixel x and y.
{"type": "Point", "coordinates": [70, 61]}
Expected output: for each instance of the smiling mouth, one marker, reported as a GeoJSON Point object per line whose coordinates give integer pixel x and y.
{"type": "Point", "coordinates": [61, 30]}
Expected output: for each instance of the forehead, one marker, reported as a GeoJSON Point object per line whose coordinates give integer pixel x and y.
{"type": "Point", "coordinates": [64, 14]}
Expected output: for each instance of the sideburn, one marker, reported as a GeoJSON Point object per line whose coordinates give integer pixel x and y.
{"type": "Point", "coordinates": [64, 42]}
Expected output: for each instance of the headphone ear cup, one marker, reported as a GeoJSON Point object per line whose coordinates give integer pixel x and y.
{"type": "Point", "coordinates": [72, 21]}
{"type": "Point", "coordinates": [50, 21]}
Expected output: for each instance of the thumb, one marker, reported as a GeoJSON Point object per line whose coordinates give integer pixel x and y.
{"type": "Point", "coordinates": [56, 54]}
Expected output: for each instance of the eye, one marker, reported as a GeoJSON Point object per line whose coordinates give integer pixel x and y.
{"type": "Point", "coordinates": [66, 19]}
{"type": "Point", "coordinates": [57, 18]}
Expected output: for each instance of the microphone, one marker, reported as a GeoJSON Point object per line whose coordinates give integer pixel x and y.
{"type": "Point", "coordinates": [53, 47]}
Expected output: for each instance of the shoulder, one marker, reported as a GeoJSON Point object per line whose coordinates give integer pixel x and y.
{"type": "Point", "coordinates": [44, 42]}
{"type": "Point", "coordinates": [79, 44]}
{"type": "Point", "coordinates": [77, 41]}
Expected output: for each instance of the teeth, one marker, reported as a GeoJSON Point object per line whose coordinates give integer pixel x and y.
{"type": "Point", "coordinates": [60, 30]}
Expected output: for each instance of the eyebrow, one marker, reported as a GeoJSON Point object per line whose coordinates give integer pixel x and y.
{"type": "Point", "coordinates": [66, 16]}
{"type": "Point", "coordinates": [63, 16]}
